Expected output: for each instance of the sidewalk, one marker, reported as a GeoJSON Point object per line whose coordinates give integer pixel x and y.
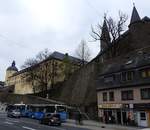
{"type": "Point", "coordinates": [93, 125]}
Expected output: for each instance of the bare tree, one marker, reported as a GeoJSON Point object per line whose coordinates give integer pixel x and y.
{"type": "Point", "coordinates": [115, 29]}
{"type": "Point", "coordinates": [29, 62]}
{"type": "Point", "coordinates": [42, 55]}
{"type": "Point", "coordinates": [83, 52]}
{"type": "Point", "coordinates": [38, 74]}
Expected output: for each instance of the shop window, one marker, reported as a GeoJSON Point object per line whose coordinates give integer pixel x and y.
{"type": "Point", "coordinates": [143, 116]}
{"type": "Point", "coordinates": [111, 96]}
{"type": "Point", "coordinates": [105, 96]}
{"type": "Point", "coordinates": [145, 93]}
{"type": "Point", "coordinates": [145, 73]}
{"type": "Point", "coordinates": [127, 95]}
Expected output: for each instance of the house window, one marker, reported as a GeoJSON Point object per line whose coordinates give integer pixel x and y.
{"type": "Point", "coordinates": [145, 93]}
{"type": "Point", "coordinates": [109, 79]}
{"type": "Point", "coordinates": [105, 96]}
{"type": "Point", "coordinates": [123, 76]}
{"type": "Point", "coordinates": [127, 95]}
{"type": "Point", "coordinates": [130, 75]}
{"type": "Point", "coordinates": [145, 73]}
{"type": "Point", "coordinates": [127, 76]}
{"type": "Point", "coordinates": [111, 96]}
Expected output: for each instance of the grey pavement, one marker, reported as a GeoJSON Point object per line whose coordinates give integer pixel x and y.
{"type": "Point", "coordinates": [93, 125]}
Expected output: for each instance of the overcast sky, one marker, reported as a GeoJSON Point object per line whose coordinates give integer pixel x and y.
{"type": "Point", "coordinates": [29, 26]}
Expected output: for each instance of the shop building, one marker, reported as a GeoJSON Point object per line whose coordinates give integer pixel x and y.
{"type": "Point", "coordinates": [126, 106]}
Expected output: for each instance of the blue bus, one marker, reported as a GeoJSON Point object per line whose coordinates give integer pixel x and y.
{"type": "Point", "coordinates": [37, 111]}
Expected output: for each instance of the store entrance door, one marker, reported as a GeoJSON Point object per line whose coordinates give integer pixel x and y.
{"type": "Point", "coordinates": [119, 117]}
{"type": "Point", "coordinates": [124, 115]}
{"type": "Point", "coordinates": [142, 119]}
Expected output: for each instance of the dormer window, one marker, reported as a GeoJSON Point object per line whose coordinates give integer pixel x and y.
{"type": "Point", "coordinates": [145, 73]}
{"type": "Point", "coordinates": [127, 76]}
{"type": "Point", "coordinates": [108, 79]}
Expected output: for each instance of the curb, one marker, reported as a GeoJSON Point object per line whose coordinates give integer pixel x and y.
{"type": "Point", "coordinates": [97, 125]}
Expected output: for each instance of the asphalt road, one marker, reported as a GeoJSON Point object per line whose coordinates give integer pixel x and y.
{"type": "Point", "coordinates": [29, 124]}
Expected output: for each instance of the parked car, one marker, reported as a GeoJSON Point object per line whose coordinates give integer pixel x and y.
{"type": "Point", "coordinates": [51, 119]}
{"type": "Point", "coordinates": [14, 113]}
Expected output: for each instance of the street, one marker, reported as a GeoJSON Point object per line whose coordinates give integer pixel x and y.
{"type": "Point", "coordinates": [29, 124]}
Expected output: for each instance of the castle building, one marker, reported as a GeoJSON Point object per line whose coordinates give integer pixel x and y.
{"type": "Point", "coordinates": [123, 85]}
{"type": "Point", "coordinates": [41, 76]}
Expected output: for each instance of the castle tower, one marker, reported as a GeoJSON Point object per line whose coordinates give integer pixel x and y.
{"type": "Point", "coordinates": [134, 17]}
{"type": "Point", "coordinates": [10, 71]}
{"type": "Point", "coordinates": [105, 37]}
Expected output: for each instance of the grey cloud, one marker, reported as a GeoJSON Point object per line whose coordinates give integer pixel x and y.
{"type": "Point", "coordinates": [21, 36]}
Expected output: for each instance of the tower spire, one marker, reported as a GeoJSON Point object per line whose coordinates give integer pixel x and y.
{"type": "Point", "coordinates": [135, 15]}
{"type": "Point", "coordinates": [105, 32]}
{"type": "Point", "coordinates": [105, 37]}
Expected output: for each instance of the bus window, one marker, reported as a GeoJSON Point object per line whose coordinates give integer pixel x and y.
{"type": "Point", "coordinates": [61, 109]}
{"type": "Point", "coordinates": [50, 109]}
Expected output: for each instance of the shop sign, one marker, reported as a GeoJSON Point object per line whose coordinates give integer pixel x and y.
{"type": "Point", "coordinates": [142, 106]}
{"type": "Point", "coordinates": [131, 106]}
{"type": "Point", "coordinates": [110, 105]}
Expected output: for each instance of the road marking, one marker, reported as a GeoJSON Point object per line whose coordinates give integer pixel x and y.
{"type": "Point", "coordinates": [10, 123]}
{"type": "Point", "coordinates": [12, 120]}
{"type": "Point", "coordinates": [28, 128]}
{"type": "Point", "coordinates": [58, 128]}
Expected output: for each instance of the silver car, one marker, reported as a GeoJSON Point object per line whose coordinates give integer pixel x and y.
{"type": "Point", "coordinates": [14, 113]}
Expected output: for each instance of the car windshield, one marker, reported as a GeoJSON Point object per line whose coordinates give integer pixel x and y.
{"type": "Point", "coordinates": [48, 115]}
{"type": "Point", "coordinates": [56, 115]}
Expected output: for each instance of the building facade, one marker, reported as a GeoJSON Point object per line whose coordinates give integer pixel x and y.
{"type": "Point", "coordinates": [125, 95]}
{"type": "Point", "coordinates": [123, 85]}
{"type": "Point", "coordinates": [41, 76]}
